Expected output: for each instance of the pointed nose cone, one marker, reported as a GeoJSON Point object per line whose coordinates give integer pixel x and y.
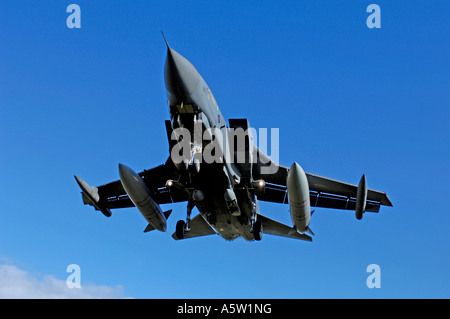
{"type": "Point", "coordinates": [180, 75]}
{"type": "Point", "coordinates": [131, 181]}
{"type": "Point", "coordinates": [126, 172]}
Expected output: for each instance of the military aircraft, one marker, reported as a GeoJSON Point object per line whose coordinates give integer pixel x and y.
{"type": "Point", "coordinates": [226, 187]}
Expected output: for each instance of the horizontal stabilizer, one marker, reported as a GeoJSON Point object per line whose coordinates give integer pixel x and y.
{"type": "Point", "coordinates": [199, 227]}
{"type": "Point", "coordinates": [272, 227]}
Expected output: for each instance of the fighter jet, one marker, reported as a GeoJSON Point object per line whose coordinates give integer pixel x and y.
{"type": "Point", "coordinates": [217, 168]}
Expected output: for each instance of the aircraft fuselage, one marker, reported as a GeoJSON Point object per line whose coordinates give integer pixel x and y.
{"type": "Point", "coordinates": [226, 203]}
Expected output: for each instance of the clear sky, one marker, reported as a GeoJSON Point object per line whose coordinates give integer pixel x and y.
{"type": "Point", "coordinates": [347, 99]}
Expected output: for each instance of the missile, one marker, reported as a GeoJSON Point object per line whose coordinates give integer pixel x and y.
{"type": "Point", "coordinates": [142, 199]}
{"type": "Point", "coordinates": [298, 195]}
{"type": "Point", "coordinates": [361, 198]}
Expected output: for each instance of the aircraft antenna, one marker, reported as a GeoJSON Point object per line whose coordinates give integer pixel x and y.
{"type": "Point", "coordinates": [164, 38]}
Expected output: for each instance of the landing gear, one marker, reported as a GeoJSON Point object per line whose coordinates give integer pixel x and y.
{"type": "Point", "coordinates": [257, 230]}
{"type": "Point", "coordinates": [182, 227]}
{"type": "Point", "coordinates": [256, 225]}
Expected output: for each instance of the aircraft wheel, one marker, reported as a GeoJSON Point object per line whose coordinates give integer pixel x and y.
{"type": "Point", "coordinates": [257, 230]}
{"type": "Point", "coordinates": [180, 229]}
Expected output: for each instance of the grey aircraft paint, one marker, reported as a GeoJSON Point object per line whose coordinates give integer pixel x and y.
{"type": "Point", "coordinates": [225, 192]}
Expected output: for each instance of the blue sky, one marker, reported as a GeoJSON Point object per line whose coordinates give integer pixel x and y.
{"type": "Point", "coordinates": [348, 100]}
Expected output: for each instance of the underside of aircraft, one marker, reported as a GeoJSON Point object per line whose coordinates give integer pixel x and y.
{"type": "Point", "coordinates": [217, 168]}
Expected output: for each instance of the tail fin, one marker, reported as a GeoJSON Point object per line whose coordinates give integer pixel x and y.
{"type": "Point", "coordinates": [308, 230]}
{"type": "Point", "coordinates": [167, 213]}
{"type": "Point", "coordinates": [150, 227]}
{"type": "Point", "coordinates": [276, 228]}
